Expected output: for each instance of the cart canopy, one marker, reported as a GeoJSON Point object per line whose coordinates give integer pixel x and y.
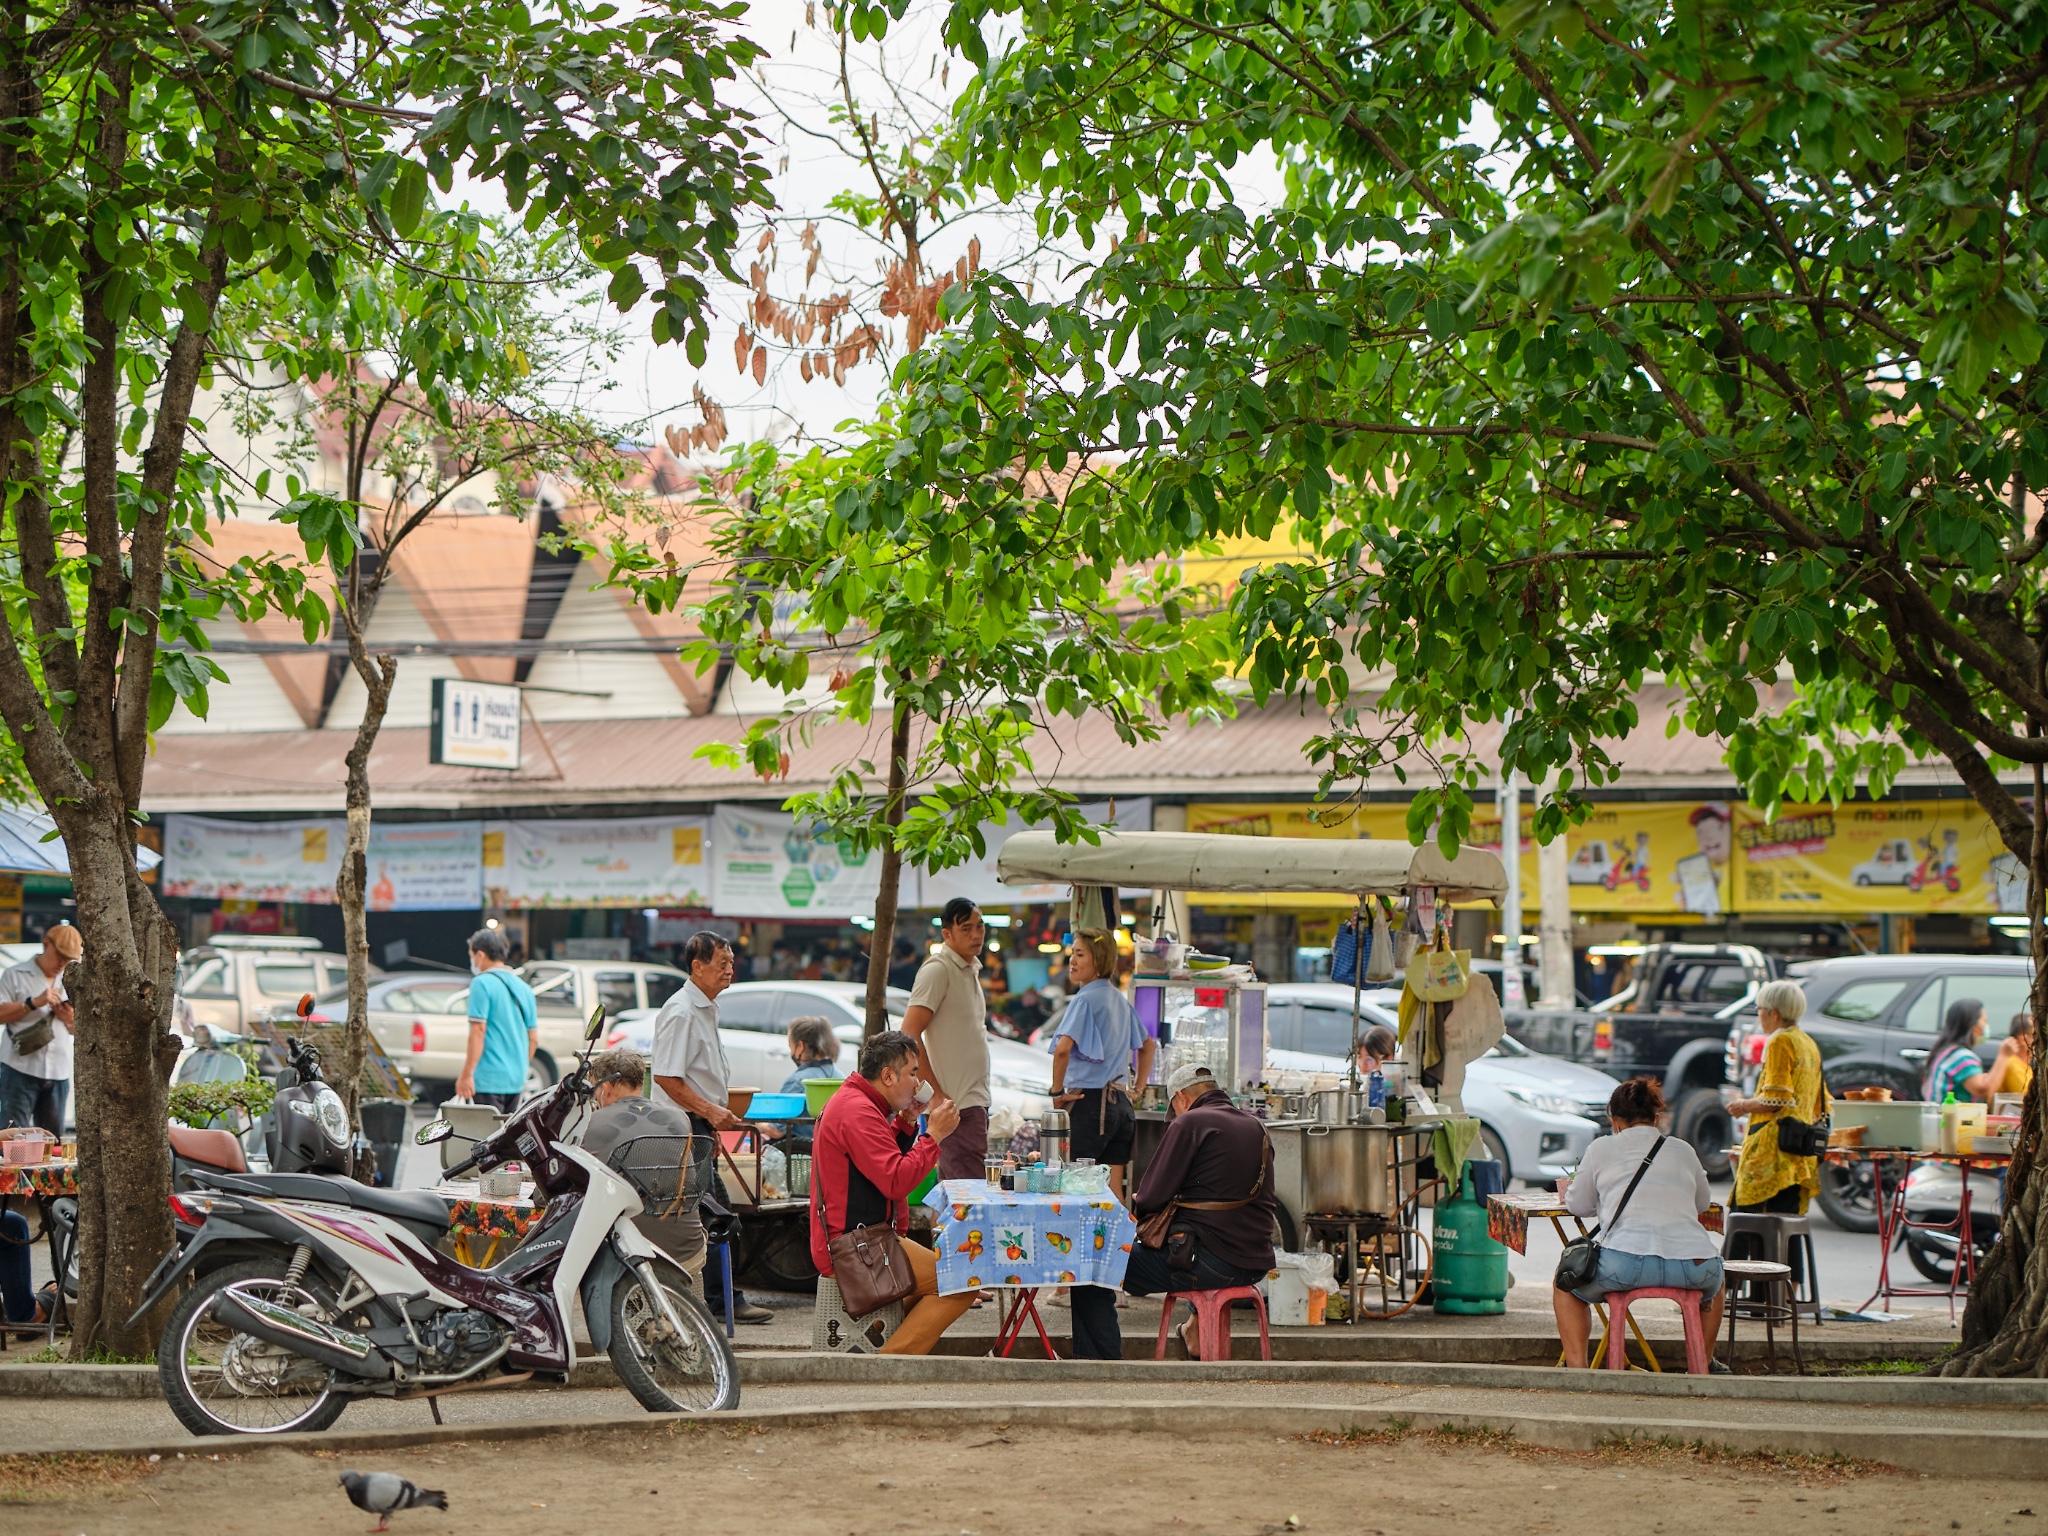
{"type": "Point", "coordinates": [1195, 861]}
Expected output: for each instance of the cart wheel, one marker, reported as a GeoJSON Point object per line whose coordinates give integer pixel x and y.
{"type": "Point", "coordinates": [1398, 1263]}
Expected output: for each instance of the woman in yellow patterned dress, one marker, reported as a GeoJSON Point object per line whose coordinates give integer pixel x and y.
{"type": "Point", "coordinates": [1767, 1179]}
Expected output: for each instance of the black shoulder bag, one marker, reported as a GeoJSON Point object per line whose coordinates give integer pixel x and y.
{"type": "Point", "coordinates": [1581, 1256]}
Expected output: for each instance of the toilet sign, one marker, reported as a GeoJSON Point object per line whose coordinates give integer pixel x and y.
{"type": "Point", "coordinates": [474, 725]}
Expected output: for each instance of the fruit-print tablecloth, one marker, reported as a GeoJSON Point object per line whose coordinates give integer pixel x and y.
{"type": "Point", "coordinates": [45, 1179]}
{"type": "Point", "coordinates": [989, 1238]}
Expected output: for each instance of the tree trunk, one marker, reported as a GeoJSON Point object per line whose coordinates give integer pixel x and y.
{"type": "Point", "coordinates": [882, 942]}
{"type": "Point", "coordinates": [123, 1054]}
{"type": "Point", "coordinates": [2005, 1322]}
{"type": "Point", "coordinates": [351, 889]}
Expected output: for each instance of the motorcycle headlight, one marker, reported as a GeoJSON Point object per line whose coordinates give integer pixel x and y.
{"type": "Point", "coordinates": [333, 1117]}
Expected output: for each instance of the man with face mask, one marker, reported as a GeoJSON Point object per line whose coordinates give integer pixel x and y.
{"type": "Point", "coordinates": [503, 1028]}
{"type": "Point", "coordinates": [866, 1159]}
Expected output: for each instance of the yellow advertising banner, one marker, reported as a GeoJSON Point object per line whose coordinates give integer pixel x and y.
{"type": "Point", "coordinates": [1891, 856]}
{"type": "Point", "coordinates": [1707, 858]}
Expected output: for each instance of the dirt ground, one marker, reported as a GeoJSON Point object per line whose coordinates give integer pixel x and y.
{"type": "Point", "coordinates": [741, 1481]}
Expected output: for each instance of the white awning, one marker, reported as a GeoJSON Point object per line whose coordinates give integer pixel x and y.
{"type": "Point", "coordinates": [1191, 861]}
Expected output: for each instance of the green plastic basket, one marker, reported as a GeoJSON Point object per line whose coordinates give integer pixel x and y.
{"type": "Point", "coordinates": [817, 1090]}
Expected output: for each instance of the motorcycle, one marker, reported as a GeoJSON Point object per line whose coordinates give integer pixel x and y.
{"type": "Point", "coordinates": [310, 1291]}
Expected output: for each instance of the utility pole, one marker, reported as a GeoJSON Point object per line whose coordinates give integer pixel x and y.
{"type": "Point", "coordinates": [1510, 802]}
{"type": "Point", "coordinates": [1554, 927]}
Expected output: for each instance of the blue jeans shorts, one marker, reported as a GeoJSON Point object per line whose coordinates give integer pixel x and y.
{"type": "Point", "coordinates": [1618, 1271]}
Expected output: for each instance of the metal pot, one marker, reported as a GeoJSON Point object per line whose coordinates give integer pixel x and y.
{"type": "Point", "coordinates": [1338, 1106]}
{"type": "Point", "coordinates": [1344, 1170]}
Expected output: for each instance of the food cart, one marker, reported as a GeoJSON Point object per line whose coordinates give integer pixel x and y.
{"type": "Point", "coordinates": [1340, 1170]}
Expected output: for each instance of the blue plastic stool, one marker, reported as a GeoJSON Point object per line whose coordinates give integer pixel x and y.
{"type": "Point", "coordinates": [724, 1252]}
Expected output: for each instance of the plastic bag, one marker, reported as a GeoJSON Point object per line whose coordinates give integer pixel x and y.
{"type": "Point", "coordinates": [1380, 966]}
{"type": "Point", "coordinates": [1410, 939]}
{"type": "Point", "coordinates": [1088, 1179]}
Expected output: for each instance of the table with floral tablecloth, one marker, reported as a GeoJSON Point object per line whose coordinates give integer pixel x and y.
{"type": "Point", "coordinates": [991, 1238]}
{"type": "Point", "coordinates": [44, 1180]}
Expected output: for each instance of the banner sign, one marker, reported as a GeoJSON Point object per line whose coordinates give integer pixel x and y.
{"type": "Point", "coordinates": [976, 878]}
{"type": "Point", "coordinates": [252, 860]}
{"type": "Point", "coordinates": [1890, 856]}
{"type": "Point", "coordinates": [766, 865]}
{"type": "Point", "coordinates": [425, 866]}
{"type": "Point", "coordinates": [656, 861]}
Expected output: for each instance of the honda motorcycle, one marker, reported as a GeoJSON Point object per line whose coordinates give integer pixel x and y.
{"type": "Point", "coordinates": [309, 1291]}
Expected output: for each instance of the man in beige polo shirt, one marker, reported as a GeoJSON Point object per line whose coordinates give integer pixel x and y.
{"type": "Point", "coordinates": [948, 1018]}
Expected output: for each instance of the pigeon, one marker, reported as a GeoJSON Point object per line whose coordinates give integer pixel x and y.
{"type": "Point", "coordinates": [384, 1493]}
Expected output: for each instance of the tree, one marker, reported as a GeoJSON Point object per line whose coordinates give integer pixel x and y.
{"type": "Point", "coordinates": [967, 606]}
{"type": "Point", "coordinates": [1589, 342]}
{"type": "Point", "coordinates": [457, 370]}
{"type": "Point", "coordinates": [152, 159]}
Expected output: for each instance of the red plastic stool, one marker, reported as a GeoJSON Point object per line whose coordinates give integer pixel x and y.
{"type": "Point", "coordinates": [1212, 1320]}
{"type": "Point", "coordinates": [1618, 1303]}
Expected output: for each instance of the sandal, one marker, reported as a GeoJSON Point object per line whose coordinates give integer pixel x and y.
{"type": "Point", "coordinates": [1190, 1346]}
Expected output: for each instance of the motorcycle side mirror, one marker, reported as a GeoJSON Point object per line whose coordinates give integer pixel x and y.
{"type": "Point", "coordinates": [305, 1008]}
{"type": "Point", "coordinates": [433, 1132]}
{"type": "Point", "coordinates": [596, 1024]}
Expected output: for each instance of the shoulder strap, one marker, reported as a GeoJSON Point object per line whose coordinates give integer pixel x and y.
{"type": "Point", "coordinates": [1648, 1158]}
{"type": "Point", "coordinates": [1258, 1184]}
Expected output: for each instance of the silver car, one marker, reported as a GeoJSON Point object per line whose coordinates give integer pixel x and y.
{"type": "Point", "coordinates": [1537, 1114]}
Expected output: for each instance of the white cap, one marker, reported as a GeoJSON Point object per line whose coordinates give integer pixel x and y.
{"type": "Point", "coordinates": [1183, 1078]}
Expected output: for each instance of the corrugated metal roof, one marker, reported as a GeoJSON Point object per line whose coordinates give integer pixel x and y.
{"type": "Point", "coordinates": [578, 763]}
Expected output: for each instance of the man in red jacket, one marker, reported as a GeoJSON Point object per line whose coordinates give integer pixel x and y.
{"type": "Point", "coordinates": [866, 1158]}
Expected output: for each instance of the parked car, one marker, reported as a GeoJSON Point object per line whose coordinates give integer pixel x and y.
{"type": "Point", "coordinates": [421, 1019]}
{"type": "Point", "coordinates": [1874, 1018]}
{"type": "Point", "coordinates": [235, 979]}
{"type": "Point", "coordinates": [754, 1021]}
{"type": "Point", "coordinates": [1537, 1114]}
{"type": "Point", "coordinates": [1670, 1023]}
{"type": "Point", "coordinates": [565, 992]}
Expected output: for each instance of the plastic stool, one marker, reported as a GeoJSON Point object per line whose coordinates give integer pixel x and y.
{"type": "Point", "coordinates": [1618, 1303]}
{"type": "Point", "coordinates": [1212, 1320]}
{"type": "Point", "coordinates": [834, 1331]}
{"type": "Point", "coordinates": [1786, 1240]}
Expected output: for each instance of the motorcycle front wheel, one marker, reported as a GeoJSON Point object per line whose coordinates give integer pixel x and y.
{"type": "Point", "coordinates": [222, 1382]}
{"type": "Point", "coordinates": [666, 1373]}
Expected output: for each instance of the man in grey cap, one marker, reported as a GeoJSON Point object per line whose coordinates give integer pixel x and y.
{"type": "Point", "coordinates": [1214, 1167]}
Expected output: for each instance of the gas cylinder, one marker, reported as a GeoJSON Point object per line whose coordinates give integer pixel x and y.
{"type": "Point", "coordinates": [1471, 1275]}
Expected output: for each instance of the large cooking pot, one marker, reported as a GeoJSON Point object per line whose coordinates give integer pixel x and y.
{"type": "Point", "coordinates": [1344, 1170]}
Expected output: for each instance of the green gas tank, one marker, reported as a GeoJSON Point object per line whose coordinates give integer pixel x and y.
{"type": "Point", "coordinates": [1471, 1276]}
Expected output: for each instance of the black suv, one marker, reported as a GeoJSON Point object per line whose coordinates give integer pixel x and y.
{"type": "Point", "coordinates": [1874, 1018]}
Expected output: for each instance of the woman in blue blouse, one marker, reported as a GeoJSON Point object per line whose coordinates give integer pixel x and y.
{"type": "Point", "coordinates": [1953, 1065]}
{"type": "Point", "coordinates": [1092, 1054]}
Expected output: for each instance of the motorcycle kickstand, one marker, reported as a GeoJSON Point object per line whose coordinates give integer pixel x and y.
{"type": "Point", "coordinates": [434, 1403]}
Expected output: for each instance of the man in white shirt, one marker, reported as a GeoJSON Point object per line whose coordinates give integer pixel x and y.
{"type": "Point", "coordinates": [35, 1034]}
{"type": "Point", "coordinates": [948, 1018]}
{"type": "Point", "coordinates": [691, 1072]}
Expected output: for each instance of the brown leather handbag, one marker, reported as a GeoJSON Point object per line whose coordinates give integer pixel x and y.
{"type": "Point", "coordinates": [870, 1267]}
{"type": "Point", "coordinates": [1153, 1229]}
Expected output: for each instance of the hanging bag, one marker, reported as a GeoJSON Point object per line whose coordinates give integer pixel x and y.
{"type": "Point", "coordinates": [1581, 1256]}
{"type": "Point", "coordinates": [1344, 951]}
{"type": "Point", "coordinates": [1441, 974]}
{"type": "Point", "coordinates": [1381, 966]}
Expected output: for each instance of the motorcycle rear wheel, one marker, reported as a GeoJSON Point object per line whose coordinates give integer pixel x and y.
{"type": "Point", "coordinates": [219, 1382]}
{"type": "Point", "coordinates": [694, 1374]}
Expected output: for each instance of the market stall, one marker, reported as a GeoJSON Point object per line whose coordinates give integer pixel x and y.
{"type": "Point", "coordinates": [1348, 1170]}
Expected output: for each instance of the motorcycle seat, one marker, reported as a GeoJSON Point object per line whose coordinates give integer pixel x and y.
{"type": "Point", "coordinates": [215, 1148]}
{"type": "Point", "coordinates": [419, 1208]}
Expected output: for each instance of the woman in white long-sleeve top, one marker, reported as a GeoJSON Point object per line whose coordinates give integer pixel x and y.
{"type": "Point", "coordinates": [1657, 1240]}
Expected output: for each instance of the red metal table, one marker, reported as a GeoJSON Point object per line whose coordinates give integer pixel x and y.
{"type": "Point", "coordinates": [1893, 1222]}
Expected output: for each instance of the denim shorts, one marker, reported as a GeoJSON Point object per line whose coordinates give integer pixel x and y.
{"type": "Point", "coordinates": [1618, 1271]}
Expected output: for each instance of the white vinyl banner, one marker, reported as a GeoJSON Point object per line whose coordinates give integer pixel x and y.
{"type": "Point", "coordinates": [426, 866]}
{"type": "Point", "coordinates": [768, 866]}
{"type": "Point", "coordinates": [252, 860]}
{"type": "Point", "coordinates": [976, 879]}
{"type": "Point", "coordinates": [430, 866]}
{"type": "Point", "coordinates": [658, 861]}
